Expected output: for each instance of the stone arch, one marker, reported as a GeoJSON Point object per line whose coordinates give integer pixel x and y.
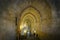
{"type": "Point", "coordinates": [33, 15]}
{"type": "Point", "coordinates": [43, 20]}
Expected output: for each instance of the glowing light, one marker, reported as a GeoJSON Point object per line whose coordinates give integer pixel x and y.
{"type": "Point", "coordinates": [23, 26]}
{"type": "Point", "coordinates": [34, 31]}
{"type": "Point", "coordinates": [25, 31]}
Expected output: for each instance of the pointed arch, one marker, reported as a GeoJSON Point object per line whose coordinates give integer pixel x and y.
{"type": "Point", "coordinates": [32, 16]}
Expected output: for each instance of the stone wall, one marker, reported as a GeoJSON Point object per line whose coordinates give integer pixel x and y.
{"type": "Point", "coordinates": [9, 10]}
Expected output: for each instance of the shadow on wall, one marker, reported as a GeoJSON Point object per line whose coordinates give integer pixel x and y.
{"type": "Point", "coordinates": [7, 25]}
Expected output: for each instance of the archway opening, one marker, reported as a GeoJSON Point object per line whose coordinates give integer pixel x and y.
{"type": "Point", "coordinates": [29, 22]}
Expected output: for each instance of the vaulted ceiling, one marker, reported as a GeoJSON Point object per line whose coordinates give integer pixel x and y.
{"type": "Point", "coordinates": [39, 13]}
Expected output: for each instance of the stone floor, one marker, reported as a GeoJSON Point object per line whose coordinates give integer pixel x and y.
{"type": "Point", "coordinates": [35, 37]}
{"type": "Point", "coordinates": [30, 37]}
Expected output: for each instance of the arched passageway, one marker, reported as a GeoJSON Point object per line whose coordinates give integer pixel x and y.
{"type": "Point", "coordinates": [29, 22]}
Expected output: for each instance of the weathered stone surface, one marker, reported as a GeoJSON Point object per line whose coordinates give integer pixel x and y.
{"type": "Point", "coordinates": [9, 10]}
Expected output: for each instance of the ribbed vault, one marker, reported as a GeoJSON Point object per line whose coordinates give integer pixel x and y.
{"type": "Point", "coordinates": [30, 17]}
